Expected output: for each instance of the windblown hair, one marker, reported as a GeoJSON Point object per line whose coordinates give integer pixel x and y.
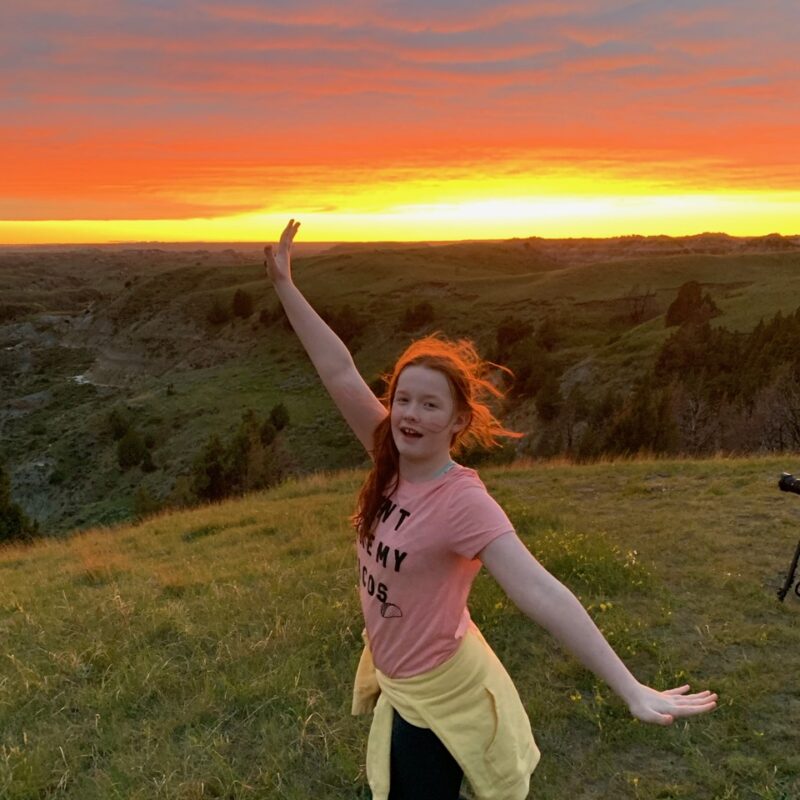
{"type": "Point", "coordinates": [468, 375]}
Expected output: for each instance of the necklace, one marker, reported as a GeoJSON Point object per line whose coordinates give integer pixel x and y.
{"type": "Point", "coordinates": [445, 469]}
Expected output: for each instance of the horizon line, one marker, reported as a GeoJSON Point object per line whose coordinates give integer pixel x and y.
{"type": "Point", "coordinates": [259, 242]}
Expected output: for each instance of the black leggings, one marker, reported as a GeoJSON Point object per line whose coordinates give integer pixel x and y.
{"type": "Point", "coordinates": [421, 766]}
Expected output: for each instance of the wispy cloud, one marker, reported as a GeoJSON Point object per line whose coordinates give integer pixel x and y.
{"type": "Point", "coordinates": [188, 108]}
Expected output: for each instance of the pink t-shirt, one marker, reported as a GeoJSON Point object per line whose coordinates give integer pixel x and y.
{"type": "Point", "coordinates": [415, 576]}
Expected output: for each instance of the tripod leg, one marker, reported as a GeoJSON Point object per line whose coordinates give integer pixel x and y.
{"type": "Point", "coordinates": [790, 577]}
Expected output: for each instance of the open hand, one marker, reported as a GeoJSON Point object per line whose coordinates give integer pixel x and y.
{"type": "Point", "coordinates": [662, 708]}
{"type": "Point", "coordinates": [278, 263]}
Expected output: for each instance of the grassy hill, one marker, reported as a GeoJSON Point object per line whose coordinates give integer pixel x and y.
{"type": "Point", "coordinates": [83, 331]}
{"type": "Point", "coordinates": [209, 653]}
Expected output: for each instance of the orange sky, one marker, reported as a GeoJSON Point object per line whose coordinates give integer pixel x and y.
{"type": "Point", "coordinates": [124, 120]}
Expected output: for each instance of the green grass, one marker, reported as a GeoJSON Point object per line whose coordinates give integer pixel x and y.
{"type": "Point", "coordinates": [210, 653]}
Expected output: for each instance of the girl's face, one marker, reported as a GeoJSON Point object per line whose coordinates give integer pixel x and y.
{"type": "Point", "coordinates": [424, 417]}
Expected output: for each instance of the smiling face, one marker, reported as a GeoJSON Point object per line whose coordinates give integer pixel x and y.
{"type": "Point", "coordinates": [424, 418]}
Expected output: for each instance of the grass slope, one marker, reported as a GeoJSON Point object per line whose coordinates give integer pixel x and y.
{"type": "Point", "coordinates": [210, 653]}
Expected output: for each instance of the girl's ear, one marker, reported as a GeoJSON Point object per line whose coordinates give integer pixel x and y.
{"type": "Point", "coordinates": [461, 421]}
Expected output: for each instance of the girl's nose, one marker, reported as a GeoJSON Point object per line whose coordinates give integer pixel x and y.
{"type": "Point", "coordinates": [410, 411]}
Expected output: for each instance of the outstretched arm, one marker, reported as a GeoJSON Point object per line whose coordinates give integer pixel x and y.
{"type": "Point", "coordinates": [332, 360]}
{"type": "Point", "coordinates": [548, 602]}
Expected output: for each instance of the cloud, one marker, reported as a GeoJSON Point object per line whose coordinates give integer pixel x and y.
{"type": "Point", "coordinates": [168, 107]}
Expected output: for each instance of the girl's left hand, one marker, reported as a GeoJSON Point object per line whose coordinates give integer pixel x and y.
{"type": "Point", "coordinates": [662, 708]}
{"type": "Point", "coordinates": [278, 264]}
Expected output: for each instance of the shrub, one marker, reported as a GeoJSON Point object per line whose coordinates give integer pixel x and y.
{"type": "Point", "coordinates": [417, 316]}
{"type": "Point", "coordinates": [15, 526]}
{"type": "Point", "coordinates": [508, 333]}
{"type": "Point", "coordinates": [144, 504]}
{"type": "Point", "coordinates": [131, 450]}
{"type": "Point", "coordinates": [549, 399]}
{"type": "Point", "coordinates": [268, 433]}
{"type": "Point", "coordinates": [347, 324]}
{"type": "Point", "coordinates": [279, 416]}
{"type": "Point", "coordinates": [209, 477]}
{"type": "Point", "coordinates": [181, 495]}
{"type": "Point", "coordinates": [691, 305]}
{"type": "Point", "coordinates": [218, 314]}
{"type": "Point", "coordinates": [251, 460]}
{"type": "Point", "coordinates": [242, 304]}
{"type": "Point", "coordinates": [547, 334]}
{"type": "Point", "coordinates": [119, 421]}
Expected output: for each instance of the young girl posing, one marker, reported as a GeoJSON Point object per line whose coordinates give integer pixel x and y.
{"type": "Point", "coordinates": [443, 704]}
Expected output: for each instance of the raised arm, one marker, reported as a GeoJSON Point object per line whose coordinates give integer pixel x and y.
{"type": "Point", "coordinates": [545, 600]}
{"type": "Point", "coordinates": [332, 360]}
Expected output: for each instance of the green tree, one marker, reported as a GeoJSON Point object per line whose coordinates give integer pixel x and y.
{"type": "Point", "coordinates": [242, 303]}
{"type": "Point", "coordinates": [691, 305]}
{"type": "Point", "coordinates": [218, 314]}
{"type": "Point", "coordinates": [209, 479]}
{"type": "Point", "coordinates": [119, 420]}
{"type": "Point", "coordinates": [144, 504]}
{"type": "Point", "coordinates": [348, 324]}
{"type": "Point", "coordinates": [417, 316]}
{"type": "Point", "coordinates": [181, 495]}
{"type": "Point", "coordinates": [279, 416]}
{"type": "Point", "coordinates": [131, 450]}
{"type": "Point", "coordinates": [547, 334]}
{"type": "Point", "coordinates": [510, 331]}
{"type": "Point", "coordinates": [549, 399]}
{"type": "Point", "coordinates": [15, 526]}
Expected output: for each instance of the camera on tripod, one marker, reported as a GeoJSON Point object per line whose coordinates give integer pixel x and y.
{"type": "Point", "coordinates": [788, 483]}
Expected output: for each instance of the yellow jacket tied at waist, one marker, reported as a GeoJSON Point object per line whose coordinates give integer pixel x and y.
{"type": "Point", "coordinates": [472, 706]}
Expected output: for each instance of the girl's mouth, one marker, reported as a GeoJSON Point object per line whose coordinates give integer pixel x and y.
{"type": "Point", "coordinates": [410, 432]}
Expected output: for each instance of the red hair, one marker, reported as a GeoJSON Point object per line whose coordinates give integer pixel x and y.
{"type": "Point", "coordinates": [468, 376]}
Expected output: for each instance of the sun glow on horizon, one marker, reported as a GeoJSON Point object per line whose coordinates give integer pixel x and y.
{"type": "Point", "coordinates": [551, 216]}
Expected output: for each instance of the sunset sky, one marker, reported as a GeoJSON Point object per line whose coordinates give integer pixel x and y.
{"type": "Point", "coordinates": [134, 120]}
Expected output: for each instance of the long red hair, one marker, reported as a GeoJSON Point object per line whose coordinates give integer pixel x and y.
{"type": "Point", "coordinates": [468, 375]}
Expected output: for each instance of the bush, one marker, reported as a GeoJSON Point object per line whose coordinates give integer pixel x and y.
{"type": "Point", "coordinates": [181, 495]}
{"type": "Point", "coordinates": [209, 479]}
{"type": "Point", "coordinates": [15, 526]}
{"type": "Point", "coordinates": [549, 399]}
{"type": "Point", "coordinates": [508, 333]}
{"type": "Point", "coordinates": [691, 305]}
{"type": "Point", "coordinates": [251, 460]}
{"type": "Point", "coordinates": [347, 324]}
{"type": "Point", "coordinates": [218, 314]}
{"type": "Point", "coordinates": [131, 450]}
{"type": "Point", "coordinates": [268, 433]}
{"type": "Point", "coordinates": [242, 304]}
{"type": "Point", "coordinates": [416, 317]}
{"type": "Point", "coordinates": [548, 335]}
{"type": "Point", "coordinates": [531, 366]}
{"type": "Point", "coordinates": [279, 416]}
{"type": "Point", "coordinates": [144, 504]}
{"type": "Point", "coordinates": [119, 421]}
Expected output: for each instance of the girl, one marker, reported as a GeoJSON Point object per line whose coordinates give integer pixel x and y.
{"type": "Point", "coordinates": [443, 704]}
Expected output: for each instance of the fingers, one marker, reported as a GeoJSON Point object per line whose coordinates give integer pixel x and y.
{"type": "Point", "coordinates": [662, 708]}
{"type": "Point", "coordinates": [692, 711]}
{"type": "Point", "coordinates": [689, 705]}
{"type": "Point", "coordinates": [677, 690]}
{"type": "Point", "coordinates": [288, 233]}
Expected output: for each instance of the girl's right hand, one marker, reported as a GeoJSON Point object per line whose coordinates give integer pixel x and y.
{"type": "Point", "coordinates": [278, 263]}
